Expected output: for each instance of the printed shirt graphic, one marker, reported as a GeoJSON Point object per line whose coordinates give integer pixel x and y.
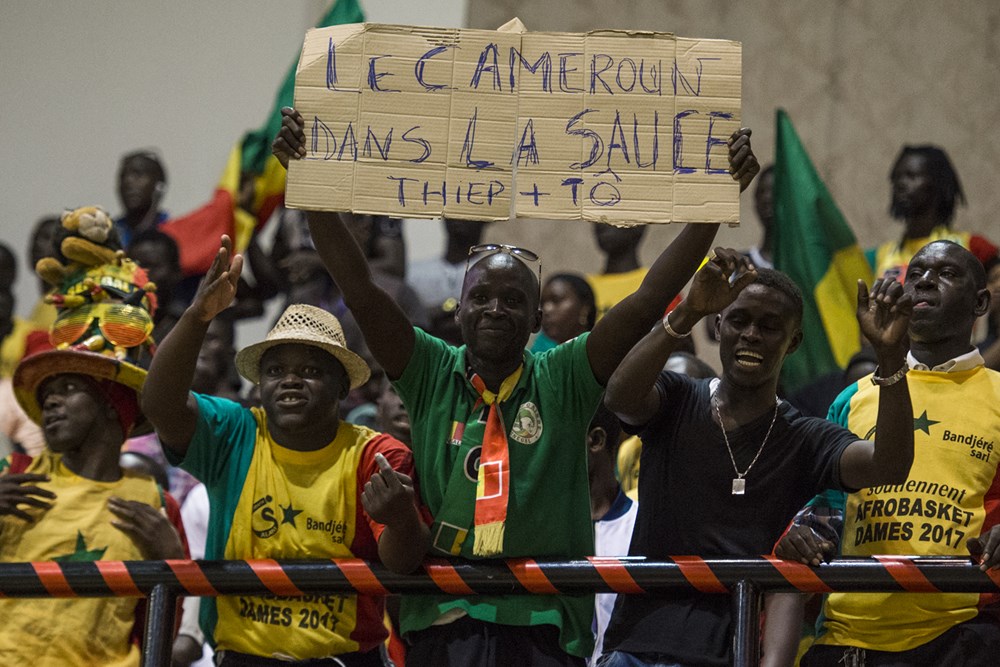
{"type": "Point", "coordinates": [548, 514]}
{"type": "Point", "coordinates": [84, 631]}
{"type": "Point", "coordinates": [951, 494]}
{"type": "Point", "coordinates": [268, 501]}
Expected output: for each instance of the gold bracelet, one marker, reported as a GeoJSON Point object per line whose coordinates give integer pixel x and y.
{"type": "Point", "coordinates": [892, 379]}
{"type": "Point", "coordinates": [670, 330]}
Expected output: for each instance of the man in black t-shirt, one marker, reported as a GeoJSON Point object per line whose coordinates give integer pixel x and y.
{"type": "Point", "coordinates": [725, 463]}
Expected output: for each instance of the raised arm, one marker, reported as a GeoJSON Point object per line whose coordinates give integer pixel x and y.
{"type": "Point", "coordinates": [618, 331]}
{"type": "Point", "coordinates": [884, 316]}
{"type": "Point", "coordinates": [386, 329]}
{"type": "Point", "coordinates": [166, 397]}
{"type": "Point", "coordinates": [631, 392]}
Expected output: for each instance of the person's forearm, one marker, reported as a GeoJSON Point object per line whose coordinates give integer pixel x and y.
{"type": "Point", "coordinates": [635, 376]}
{"type": "Point", "coordinates": [893, 453]}
{"type": "Point", "coordinates": [887, 459]}
{"type": "Point", "coordinates": [386, 329]}
{"type": "Point", "coordinates": [402, 546]}
{"type": "Point", "coordinates": [631, 319]}
{"type": "Point", "coordinates": [165, 393]}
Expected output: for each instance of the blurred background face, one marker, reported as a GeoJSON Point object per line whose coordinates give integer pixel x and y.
{"type": "Point", "coordinates": [564, 314]}
{"type": "Point", "coordinates": [137, 181]}
{"type": "Point", "coordinates": [156, 258]}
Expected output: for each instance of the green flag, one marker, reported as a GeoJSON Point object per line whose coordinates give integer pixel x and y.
{"type": "Point", "coordinates": [814, 245]}
{"type": "Point", "coordinates": [257, 144]}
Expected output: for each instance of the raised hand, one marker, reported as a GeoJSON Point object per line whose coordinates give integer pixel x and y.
{"type": "Point", "coordinates": [388, 495]}
{"type": "Point", "coordinates": [290, 144]}
{"type": "Point", "coordinates": [19, 490]}
{"type": "Point", "coordinates": [743, 163]}
{"type": "Point", "coordinates": [218, 288]}
{"type": "Point", "coordinates": [720, 281]}
{"type": "Point", "coordinates": [148, 527]}
{"type": "Point", "coordinates": [884, 316]}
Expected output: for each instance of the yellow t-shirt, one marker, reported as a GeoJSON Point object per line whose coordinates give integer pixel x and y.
{"type": "Point", "coordinates": [84, 631]}
{"type": "Point", "coordinates": [303, 505]}
{"type": "Point", "coordinates": [610, 288]}
{"type": "Point", "coordinates": [952, 493]}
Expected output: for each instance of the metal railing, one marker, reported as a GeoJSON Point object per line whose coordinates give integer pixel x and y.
{"type": "Point", "coordinates": [746, 579]}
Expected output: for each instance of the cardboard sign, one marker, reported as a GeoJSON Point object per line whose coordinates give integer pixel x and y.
{"type": "Point", "coordinates": [623, 127]}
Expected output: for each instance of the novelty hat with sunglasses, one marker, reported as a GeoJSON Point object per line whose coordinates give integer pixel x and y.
{"type": "Point", "coordinates": [105, 305]}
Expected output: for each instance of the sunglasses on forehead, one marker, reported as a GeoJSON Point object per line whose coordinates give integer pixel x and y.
{"type": "Point", "coordinates": [523, 254]}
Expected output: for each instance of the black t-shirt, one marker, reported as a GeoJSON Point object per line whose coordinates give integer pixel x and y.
{"type": "Point", "coordinates": [686, 507]}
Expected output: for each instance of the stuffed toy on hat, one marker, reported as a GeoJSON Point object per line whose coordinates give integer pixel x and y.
{"type": "Point", "coordinates": [105, 305]}
{"type": "Point", "coordinates": [104, 301]}
{"type": "Point", "coordinates": [87, 238]}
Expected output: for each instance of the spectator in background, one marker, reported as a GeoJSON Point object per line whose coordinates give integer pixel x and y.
{"type": "Point", "coordinates": [622, 272]}
{"type": "Point", "coordinates": [438, 281]}
{"type": "Point", "coordinates": [17, 431]}
{"type": "Point", "coordinates": [925, 192]}
{"type": "Point", "coordinates": [612, 512]}
{"type": "Point", "coordinates": [42, 244]}
{"type": "Point", "coordinates": [763, 200]}
{"type": "Point", "coordinates": [294, 270]}
{"type": "Point", "coordinates": [14, 331]}
{"type": "Point", "coordinates": [814, 399]}
{"type": "Point", "coordinates": [157, 253]}
{"type": "Point", "coordinates": [568, 310]}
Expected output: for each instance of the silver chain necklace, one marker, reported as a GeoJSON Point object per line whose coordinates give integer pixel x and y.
{"type": "Point", "coordinates": [739, 483]}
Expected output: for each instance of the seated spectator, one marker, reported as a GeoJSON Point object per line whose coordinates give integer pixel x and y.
{"type": "Point", "coordinates": [568, 310]}
{"type": "Point", "coordinates": [74, 502]}
{"type": "Point", "coordinates": [725, 463]}
{"type": "Point", "coordinates": [925, 191]}
{"type": "Point", "coordinates": [275, 474]}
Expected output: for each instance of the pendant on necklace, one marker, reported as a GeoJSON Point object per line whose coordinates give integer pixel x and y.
{"type": "Point", "coordinates": [739, 486]}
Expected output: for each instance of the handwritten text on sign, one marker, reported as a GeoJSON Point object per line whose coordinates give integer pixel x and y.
{"type": "Point", "coordinates": [424, 122]}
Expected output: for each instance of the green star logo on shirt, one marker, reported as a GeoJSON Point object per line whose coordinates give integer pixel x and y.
{"type": "Point", "coordinates": [924, 423]}
{"type": "Point", "coordinates": [82, 554]}
{"type": "Point", "coordinates": [289, 513]}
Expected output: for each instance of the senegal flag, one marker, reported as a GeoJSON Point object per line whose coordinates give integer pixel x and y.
{"type": "Point", "coordinates": [251, 157]}
{"type": "Point", "coordinates": [816, 248]}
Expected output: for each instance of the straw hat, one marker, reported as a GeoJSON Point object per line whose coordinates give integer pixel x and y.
{"type": "Point", "coordinates": [305, 325]}
{"type": "Point", "coordinates": [35, 369]}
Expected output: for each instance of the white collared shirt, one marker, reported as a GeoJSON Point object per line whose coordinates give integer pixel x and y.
{"type": "Point", "coordinates": [962, 362]}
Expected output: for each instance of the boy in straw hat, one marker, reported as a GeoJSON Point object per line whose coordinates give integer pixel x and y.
{"type": "Point", "coordinates": [498, 433]}
{"type": "Point", "coordinates": [73, 502]}
{"type": "Point", "coordinates": [289, 480]}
